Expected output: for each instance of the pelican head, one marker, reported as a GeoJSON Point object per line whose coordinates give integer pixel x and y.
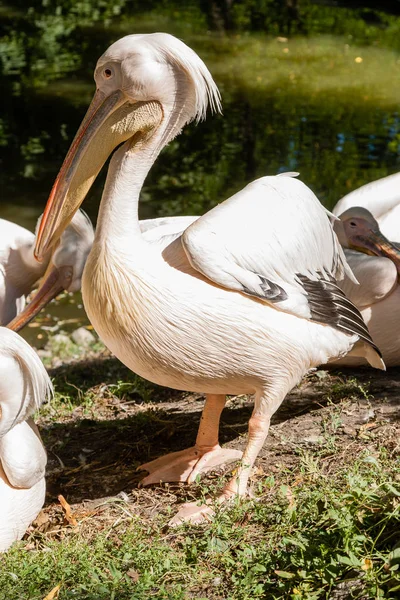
{"type": "Point", "coordinates": [147, 86]}
{"type": "Point", "coordinates": [65, 268]}
{"type": "Point", "coordinates": [358, 230]}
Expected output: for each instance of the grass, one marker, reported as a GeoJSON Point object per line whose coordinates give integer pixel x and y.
{"type": "Point", "coordinates": [297, 540]}
{"type": "Point", "coordinates": [323, 522]}
{"type": "Point", "coordinates": [317, 69]}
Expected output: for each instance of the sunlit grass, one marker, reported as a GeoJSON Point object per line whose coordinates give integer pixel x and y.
{"type": "Point", "coordinates": [319, 68]}
{"type": "Point", "coordinates": [305, 534]}
{"type": "Point", "coordinates": [322, 526]}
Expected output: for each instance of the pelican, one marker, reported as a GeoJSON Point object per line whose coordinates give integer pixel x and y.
{"type": "Point", "coordinates": [360, 232]}
{"type": "Point", "coordinates": [382, 199]}
{"type": "Point", "coordinates": [24, 385]}
{"type": "Point", "coordinates": [245, 300]}
{"type": "Point", "coordinates": [19, 270]}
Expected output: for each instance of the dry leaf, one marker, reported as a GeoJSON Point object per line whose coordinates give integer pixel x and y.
{"type": "Point", "coordinates": [30, 546]}
{"type": "Point", "coordinates": [134, 575]}
{"type": "Point", "coordinates": [53, 594]}
{"type": "Point", "coordinates": [298, 481]}
{"type": "Point", "coordinates": [257, 472]}
{"type": "Point", "coordinates": [67, 509]}
{"type": "Point", "coordinates": [41, 519]}
{"type": "Point", "coordinates": [290, 498]}
{"type": "Point", "coordinates": [368, 426]}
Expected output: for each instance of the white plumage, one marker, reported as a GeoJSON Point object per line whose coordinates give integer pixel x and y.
{"type": "Point", "coordinates": [382, 198]}
{"type": "Point", "coordinates": [24, 385]}
{"type": "Point", "coordinates": [244, 301]}
{"type": "Point", "coordinates": [378, 295]}
{"type": "Point", "coordinates": [245, 242]}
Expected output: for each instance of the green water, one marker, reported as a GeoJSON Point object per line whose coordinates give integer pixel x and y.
{"type": "Point", "coordinates": [323, 106]}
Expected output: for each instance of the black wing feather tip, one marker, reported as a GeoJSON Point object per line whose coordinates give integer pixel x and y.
{"type": "Point", "coordinates": [330, 306]}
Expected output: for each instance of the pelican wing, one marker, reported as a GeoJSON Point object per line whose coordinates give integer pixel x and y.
{"type": "Point", "coordinates": [164, 230]}
{"type": "Point", "coordinates": [376, 275]}
{"type": "Point", "coordinates": [170, 225]}
{"type": "Point", "coordinates": [273, 241]}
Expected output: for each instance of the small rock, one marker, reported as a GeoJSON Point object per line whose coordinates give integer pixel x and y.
{"type": "Point", "coordinates": [44, 354]}
{"type": "Point", "coordinates": [83, 337]}
{"type": "Point", "coordinates": [349, 431]}
{"type": "Point", "coordinates": [60, 339]}
{"type": "Point", "coordinates": [124, 496]}
{"type": "Point", "coordinates": [366, 416]}
{"type": "Point", "coordinates": [312, 439]}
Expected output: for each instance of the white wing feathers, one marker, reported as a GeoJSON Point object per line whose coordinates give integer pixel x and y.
{"type": "Point", "coordinates": [165, 225]}
{"type": "Point", "coordinates": [382, 199]}
{"type": "Point", "coordinates": [261, 239]}
{"type": "Point", "coordinates": [379, 197]}
{"type": "Point", "coordinates": [377, 277]}
{"type": "Point", "coordinates": [164, 230]}
{"type": "Point", "coordinates": [274, 241]}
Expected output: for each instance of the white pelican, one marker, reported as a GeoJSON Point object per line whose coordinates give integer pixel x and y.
{"type": "Point", "coordinates": [24, 385]}
{"type": "Point", "coordinates": [382, 199]}
{"type": "Point", "coordinates": [378, 295]}
{"type": "Point", "coordinates": [19, 270]}
{"type": "Point", "coordinates": [244, 301]}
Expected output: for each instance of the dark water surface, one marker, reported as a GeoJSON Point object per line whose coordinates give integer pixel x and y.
{"type": "Point", "coordinates": [337, 140]}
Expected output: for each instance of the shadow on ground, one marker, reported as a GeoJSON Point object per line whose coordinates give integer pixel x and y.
{"type": "Point", "coordinates": [97, 456]}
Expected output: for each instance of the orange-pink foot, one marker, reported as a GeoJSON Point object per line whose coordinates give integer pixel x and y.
{"type": "Point", "coordinates": [187, 464]}
{"type": "Point", "coordinates": [193, 513]}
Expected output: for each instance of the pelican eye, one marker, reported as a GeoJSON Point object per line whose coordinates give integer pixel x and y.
{"type": "Point", "coordinates": [107, 73]}
{"type": "Point", "coordinates": [353, 224]}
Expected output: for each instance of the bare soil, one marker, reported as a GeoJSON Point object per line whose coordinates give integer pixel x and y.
{"type": "Point", "coordinates": [93, 453]}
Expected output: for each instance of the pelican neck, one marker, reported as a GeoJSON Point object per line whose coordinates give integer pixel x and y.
{"type": "Point", "coordinates": [118, 219]}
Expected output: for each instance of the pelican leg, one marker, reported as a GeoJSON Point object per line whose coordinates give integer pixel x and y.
{"type": "Point", "coordinates": [237, 486]}
{"type": "Point", "coordinates": [258, 431]}
{"type": "Point", "coordinates": [204, 456]}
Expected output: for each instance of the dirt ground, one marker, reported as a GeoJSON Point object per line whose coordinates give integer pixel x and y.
{"type": "Point", "coordinates": [94, 452]}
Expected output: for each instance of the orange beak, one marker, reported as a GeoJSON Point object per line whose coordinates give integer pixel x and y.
{"type": "Point", "coordinates": [55, 282]}
{"type": "Point", "coordinates": [99, 134]}
{"type": "Point", "coordinates": [376, 244]}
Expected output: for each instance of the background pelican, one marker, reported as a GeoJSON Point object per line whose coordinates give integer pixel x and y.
{"type": "Point", "coordinates": [378, 295]}
{"type": "Point", "coordinates": [24, 385]}
{"type": "Point", "coordinates": [382, 199]}
{"type": "Point", "coordinates": [19, 270]}
{"type": "Point", "coordinates": [244, 301]}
